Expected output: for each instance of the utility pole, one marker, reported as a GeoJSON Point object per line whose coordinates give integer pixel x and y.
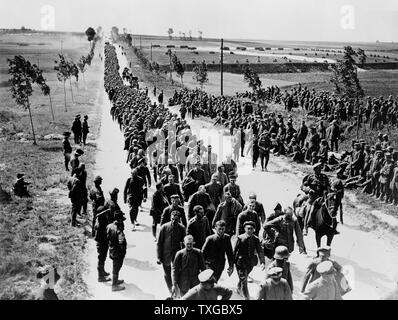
{"type": "Point", "coordinates": [222, 67]}
{"type": "Point", "coordinates": [151, 51]}
{"type": "Point", "coordinates": [140, 43]}
{"type": "Point", "coordinates": [170, 64]}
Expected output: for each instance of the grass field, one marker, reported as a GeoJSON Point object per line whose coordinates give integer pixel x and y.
{"type": "Point", "coordinates": [37, 231]}
{"type": "Point", "coordinates": [208, 50]}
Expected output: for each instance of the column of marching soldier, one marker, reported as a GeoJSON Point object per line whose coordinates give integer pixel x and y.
{"type": "Point", "coordinates": [192, 272]}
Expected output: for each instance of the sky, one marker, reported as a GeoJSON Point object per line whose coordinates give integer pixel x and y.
{"type": "Point", "coordinates": [302, 20]}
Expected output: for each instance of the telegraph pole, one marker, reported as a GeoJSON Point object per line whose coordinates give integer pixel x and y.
{"type": "Point", "coordinates": [222, 67]}
{"type": "Point", "coordinates": [151, 51]}
{"type": "Point", "coordinates": [140, 43]}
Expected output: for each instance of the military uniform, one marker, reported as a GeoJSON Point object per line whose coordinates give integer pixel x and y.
{"type": "Point", "coordinates": [199, 229]}
{"type": "Point", "coordinates": [166, 215]}
{"type": "Point", "coordinates": [229, 213]}
{"type": "Point", "coordinates": [98, 199]}
{"type": "Point", "coordinates": [244, 216]}
{"type": "Point", "coordinates": [133, 195]}
{"type": "Point", "coordinates": [200, 293]}
{"type": "Point", "coordinates": [214, 250]}
{"type": "Point", "coordinates": [274, 291]}
{"type": "Point", "coordinates": [117, 248]}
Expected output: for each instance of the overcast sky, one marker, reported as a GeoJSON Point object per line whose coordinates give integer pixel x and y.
{"type": "Point", "coordinates": [363, 20]}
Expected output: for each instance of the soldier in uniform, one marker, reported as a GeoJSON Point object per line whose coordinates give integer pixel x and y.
{"type": "Point", "coordinates": [175, 206]}
{"type": "Point", "coordinates": [228, 211]}
{"type": "Point", "coordinates": [134, 194]}
{"type": "Point", "coordinates": [173, 188]}
{"type": "Point", "coordinates": [187, 265]}
{"type": "Point", "coordinates": [159, 203]}
{"type": "Point", "coordinates": [75, 194]}
{"type": "Point", "coordinates": [234, 189]}
{"type": "Point", "coordinates": [274, 287]}
{"type": "Point", "coordinates": [246, 247]}
{"type": "Point", "coordinates": [117, 248]}
{"type": "Point", "coordinates": [100, 237]}
{"type": "Point", "coordinates": [199, 198]}
{"type": "Point", "coordinates": [144, 174]}
{"type": "Point", "coordinates": [77, 129]}
{"type": "Point", "coordinates": [97, 197]}
{"type": "Point", "coordinates": [85, 129]}
{"type": "Point", "coordinates": [170, 239]}
{"type": "Point", "coordinates": [264, 145]}
{"type": "Point", "coordinates": [281, 258]}
{"type": "Point", "coordinates": [215, 191]}
{"type": "Point", "coordinates": [386, 174]}
{"type": "Point", "coordinates": [221, 176]}
{"type": "Point", "coordinates": [325, 287]}
{"type": "Point", "coordinates": [258, 206]}
{"type": "Point", "coordinates": [67, 149]}
{"type": "Point", "coordinates": [20, 186]}
{"type": "Point", "coordinates": [74, 162]}
{"type": "Point", "coordinates": [375, 167]}
{"type": "Point", "coordinates": [198, 175]}
{"type": "Point", "coordinates": [206, 290]}
{"type": "Point", "coordinates": [199, 227]}
{"type": "Point", "coordinates": [316, 185]}
{"type": "Point", "coordinates": [248, 215]}
{"type": "Point", "coordinates": [112, 205]}
{"type": "Point", "coordinates": [215, 248]}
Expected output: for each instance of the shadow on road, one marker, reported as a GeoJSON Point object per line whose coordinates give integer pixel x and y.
{"type": "Point", "coordinates": [141, 265]}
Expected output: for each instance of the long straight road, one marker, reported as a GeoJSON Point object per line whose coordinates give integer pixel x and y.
{"type": "Point", "coordinates": [370, 261]}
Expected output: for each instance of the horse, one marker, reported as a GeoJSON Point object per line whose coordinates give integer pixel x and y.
{"type": "Point", "coordinates": [324, 220]}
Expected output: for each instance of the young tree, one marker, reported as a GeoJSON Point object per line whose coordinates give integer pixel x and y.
{"type": "Point", "coordinates": [170, 33]}
{"type": "Point", "coordinates": [82, 66]}
{"type": "Point", "coordinates": [45, 89]}
{"type": "Point", "coordinates": [345, 77]}
{"type": "Point", "coordinates": [361, 56]}
{"type": "Point", "coordinates": [252, 78]}
{"type": "Point", "coordinates": [23, 74]}
{"type": "Point", "coordinates": [73, 71]}
{"type": "Point", "coordinates": [155, 67]}
{"type": "Point", "coordinates": [178, 67]}
{"type": "Point", "coordinates": [200, 74]}
{"type": "Point", "coordinates": [90, 33]}
{"type": "Point", "coordinates": [62, 69]}
{"type": "Point", "coordinates": [200, 35]}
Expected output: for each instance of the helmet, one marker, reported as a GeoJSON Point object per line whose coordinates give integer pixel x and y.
{"type": "Point", "coordinates": [281, 252]}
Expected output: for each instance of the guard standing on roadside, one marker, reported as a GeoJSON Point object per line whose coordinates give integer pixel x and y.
{"type": "Point", "coordinates": [74, 162]}
{"type": "Point", "coordinates": [97, 197]}
{"type": "Point", "coordinates": [77, 129]}
{"type": "Point", "coordinates": [67, 149]}
{"type": "Point", "coordinates": [117, 248]}
{"type": "Point", "coordinates": [75, 194]}
{"type": "Point", "coordinates": [206, 289]}
{"type": "Point", "coordinates": [85, 129]}
{"type": "Point", "coordinates": [101, 240]}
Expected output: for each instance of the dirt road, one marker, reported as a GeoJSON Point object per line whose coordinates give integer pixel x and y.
{"type": "Point", "coordinates": [370, 261]}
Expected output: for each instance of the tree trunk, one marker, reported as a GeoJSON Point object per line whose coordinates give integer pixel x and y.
{"type": "Point", "coordinates": [71, 91]}
{"type": "Point", "coordinates": [65, 96]}
{"type": "Point", "coordinates": [51, 106]}
{"type": "Point", "coordinates": [31, 123]}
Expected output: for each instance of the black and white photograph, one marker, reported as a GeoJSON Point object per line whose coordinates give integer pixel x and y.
{"type": "Point", "coordinates": [173, 150]}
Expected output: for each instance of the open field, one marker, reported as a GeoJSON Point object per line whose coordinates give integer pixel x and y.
{"type": "Point", "coordinates": [37, 231]}
{"type": "Point", "coordinates": [273, 52]}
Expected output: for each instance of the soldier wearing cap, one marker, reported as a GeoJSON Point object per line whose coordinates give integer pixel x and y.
{"type": "Point", "coordinates": [246, 247]}
{"type": "Point", "coordinates": [67, 149]}
{"type": "Point", "coordinates": [112, 205]}
{"type": "Point", "coordinates": [215, 190]}
{"type": "Point", "coordinates": [325, 287]}
{"type": "Point", "coordinates": [97, 197]}
{"type": "Point", "coordinates": [228, 211]}
{"type": "Point", "coordinates": [117, 248]}
{"type": "Point", "coordinates": [159, 203]}
{"type": "Point", "coordinates": [234, 189]}
{"type": "Point", "coordinates": [199, 226]}
{"type": "Point", "coordinates": [187, 265]}
{"type": "Point", "coordinates": [174, 206]}
{"type": "Point", "coordinates": [143, 172]}
{"type": "Point", "coordinates": [197, 174]}
{"type": "Point", "coordinates": [173, 188]}
{"type": "Point", "coordinates": [77, 129]}
{"type": "Point", "coordinates": [206, 290]}
{"type": "Point", "coordinates": [76, 190]}
{"type": "Point", "coordinates": [274, 287]}
{"type": "Point", "coordinates": [386, 174]}
{"type": "Point", "coordinates": [20, 186]}
{"type": "Point", "coordinates": [170, 239]}
{"type": "Point", "coordinates": [248, 215]}
{"type": "Point", "coordinates": [134, 195]}
{"type": "Point", "coordinates": [49, 277]}
{"type": "Point", "coordinates": [75, 162]}
{"type": "Point", "coordinates": [258, 206]}
{"type": "Point", "coordinates": [316, 185]}
{"type": "Point", "coordinates": [280, 260]}
{"type": "Point", "coordinates": [85, 129]}
{"type": "Point", "coordinates": [202, 198]}
{"type": "Point", "coordinates": [100, 237]}
{"type": "Point", "coordinates": [323, 254]}
{"type": "Point", "coordinates": [375, 167]}
{"type": "Point", "coordinates": [358, 160]}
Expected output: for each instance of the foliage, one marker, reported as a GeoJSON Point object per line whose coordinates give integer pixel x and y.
{"type": "Point", "coordinates": [361, 56]}
{"type": "Point", "coordinates": [178, 67]}
{"type": "Point", "coordinates": [170, 33]}
{"type": "Point", "coordinates": [200, 74]}
{"type": "Point", "coordinates": [90, 33]}
{"type": "Point", "coordinates": [252, 78]}
{"type": "Point", "coordinates": [62, 68]}
{"type": "Point", "coordinates": [115, 33]}
{"type": "Point", "coordinates": [73, 70]}
{"type": "Point", "coordinates": [345, 77]}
